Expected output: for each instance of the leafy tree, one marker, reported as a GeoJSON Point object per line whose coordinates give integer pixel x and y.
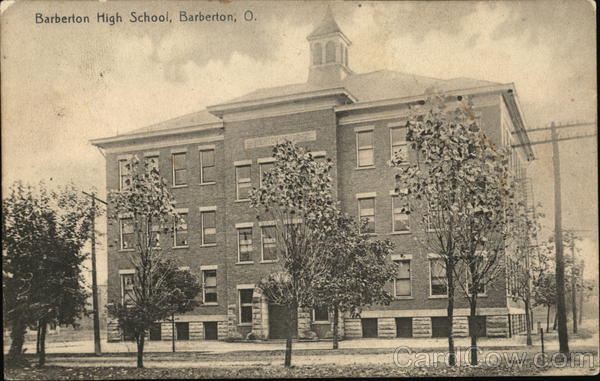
{"type": "Point", "coordinates": [355, 270]}
{"type": "Point", "coordinates": [296, 195]}
{"type": "Point", "coordinates": [43, 234]}
{"type": "Point", "coordinates": [544, 279]}
{"type": "Point", "coordinates": [525, 231]}
{"type": "Point", "coordinates": [147, 205]}
{"type": "Point", "coordinates": [431, 183]}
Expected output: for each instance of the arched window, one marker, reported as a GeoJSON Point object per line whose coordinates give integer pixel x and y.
{"type": "Point", "coordinates": [317, 54]}
{"type": "Point", "coordinates": [330, 52]}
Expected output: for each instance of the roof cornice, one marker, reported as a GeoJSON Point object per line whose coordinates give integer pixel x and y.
{"type": "Point", "coordinates": [415, 98]}
{"type": "Point", "coordinates": [219, 110]}
{"type": "Point", "coordinates": [102, 142]}
{"type": "Point", "coordinates": [329, 35]}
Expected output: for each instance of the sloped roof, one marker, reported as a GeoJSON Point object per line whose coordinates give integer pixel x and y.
{"type": "Point", "coordinates": [191, 119]}
{"type": "Point", "coordinates": [327, 26]}
{"type": "Point", "coordinates": [366, 87]}
{"type": "Point", "coordinates": [376, 85]}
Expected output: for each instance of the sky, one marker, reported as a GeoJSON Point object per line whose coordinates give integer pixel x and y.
{"type": "Point", "coordinates": [64, 84]}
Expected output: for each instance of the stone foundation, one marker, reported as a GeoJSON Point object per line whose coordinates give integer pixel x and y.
{"type": "Point", "coordinates": [196, 331]}
{"type": "Point", "coordinates": [421, 327]}
{"type": "Point", "coordinates": [386, 327]}
{"type": "Point", "coordinates": [497, 326]}
{"type": "Point", "coordinates": [304, 320]}
{"type": "Point", "coordinates": [460, 326]}
{"type": "Point", "coordinates": [352, 328]}
{"type": "Point", "coordinates": [113, 332]}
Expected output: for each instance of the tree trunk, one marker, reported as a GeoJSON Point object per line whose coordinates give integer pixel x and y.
{"type": "Point", "coordinates": [548, 319]}
{"type": "Point", "coordinates": [42, 355]}
{"type": "Point", "coordinates": [17, 338]}
{"type": "Point", "coordinates": [450, 309]}
{"type": "Point", "coordinates": [555, 321]}
{"type": "Point", "coordinates": [580, 317]}
{"type": "Point", "coordinates": [473, 329]}
{"type": "Point", "coordinates": [336, 315]}
{"type": "Point", "coordinates": [37, 339]}
{"type": "Point", "coordinates": [140, 350]}
{"type": "Point", "coordinates": [290, 328]}
{"type": "Point", "coordinates": [173, 332]}
{"type": "Point", "coordinates": [528, 321]}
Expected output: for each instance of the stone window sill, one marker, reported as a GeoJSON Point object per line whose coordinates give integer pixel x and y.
{"type": "Point", "coordinates": [366, 167]}
{"type": "Point", "coordinates": [400, 233]}
{"type": "Point", "coordinates": [181, 247]}
{"type": "Point", "coordinates": [438, 296]}
{"type": "Point", "coordinates": [179, 186]}
{"type": "Point", "coordinates": [245, 263]}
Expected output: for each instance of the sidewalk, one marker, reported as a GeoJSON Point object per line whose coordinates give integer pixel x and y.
{"type": "Point", "coordinates": [87, 346]}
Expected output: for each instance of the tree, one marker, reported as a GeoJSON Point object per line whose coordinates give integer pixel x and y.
{"type": "Point", "coordinates": [444, 140]}
{"type": "Point", "coordinates": [544, 280]}
{"type": "Point", "coordinates": [185, 287]}
{"type": "Point", "coordinates": [525, 230]}
{"type": "Point", "coordinates": [356, 269]}
{"type": "Point", "coordinates": [146, 205]}
{"type": "Point", "coordinates": [295, 194]}
{"type": "Point", "coordinates": [43, 234]}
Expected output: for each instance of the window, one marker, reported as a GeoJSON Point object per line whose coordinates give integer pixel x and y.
{"type": "Point", "coordinates": [402, 286]}
{"type": "Point", "coordinates": [154, 239]}
{"type": "Point", "coordinates": [126, 234]}
{"type": "Point", "coordinates": [124, 174]}
{"type": "Point", "coordinates": [317, 54]}
{"type": "Point", "coordinates": [364, 148]}
{"type": "Point", "coordinates": [329, 52]}
{"type": "Point", "coordinates": [437, 271]}
{"type": "Point", "coordinates": [399, 147]}
{"type": "Point", "coordinates": [179, 169]}
{"type": "Point", "coordinates": [320, 314]}
{"type": "Point", "coordinates": [264, 167]}
{"type": "Point", "coordinates": [243, 181]}
{"type": "Point", "coordinates": [181, 231]}
{"type": "Point", "coordinates": [399, 215]}
{"type": "Point", "coordinates": [433, 218]}
{"type": "Point", "coordinates": [245, 244]}
{"type": "Point", "coordinates": [366, 210]}
{"type": "Point", "coordinates": [127, 287]}
{"type": "Point", "coordinates": [269, 247]}
{"type": "Point", "coordinates": [183, 330]}
{"type": "Point", "coordinates": [210, 286]}
{"type": "Point", "coordinates": [152, 164]}
{"type": "Point", "coordinates": [481, 286]}
{"type": "Point", "coordinates": [209, 227]}
{"type": "Point", "coordinates": [246, 305]}
{"type": "Point", "coordinates": [207, 166]}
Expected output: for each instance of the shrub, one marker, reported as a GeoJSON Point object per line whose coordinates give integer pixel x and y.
{"type": "Point", "coordinates": [309, 335]}
{"type": "Point", "coordinates": [254, 336]}
{"type": "Point", "coordinates": [233, 336]}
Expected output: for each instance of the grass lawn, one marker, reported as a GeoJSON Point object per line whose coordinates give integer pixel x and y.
{"type": "Point", "coordinates": [114, 373]}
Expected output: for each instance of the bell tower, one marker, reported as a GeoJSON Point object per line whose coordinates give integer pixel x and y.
{"type": "Point", "coordinates": [328, 52]}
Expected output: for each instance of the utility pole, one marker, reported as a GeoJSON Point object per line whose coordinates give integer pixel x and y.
{"type": "Point", "coordinates": [561, 313]}
{"type": "Point", "coordinates": [563, 336]}
{"type": "Point", "coordinates": [573, 285]}
{"type": "Point", "coordinates": [97, 348]}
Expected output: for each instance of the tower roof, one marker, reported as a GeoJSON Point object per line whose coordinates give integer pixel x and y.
{"type": "Point", "coordinates": [327, 26]}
